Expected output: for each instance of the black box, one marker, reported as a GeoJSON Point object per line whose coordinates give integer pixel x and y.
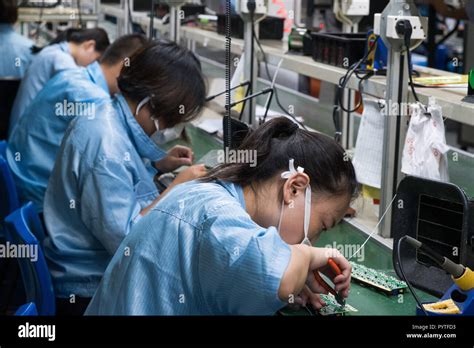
{"type": "Point", "coordinates": [339, 49]}
{"type": "Point", "coordinates": [270, 28]}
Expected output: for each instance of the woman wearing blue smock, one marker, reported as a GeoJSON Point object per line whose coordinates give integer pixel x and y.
{"type": "Point", "coordinates": [74, 47]}
{"type": "Point", "coordinates": [102, 181]}
{"type": "Point", "coordinates": [15, 48]}
{"type": "Point", "coordinates": [239, 241]}
{"type": "Point", "coordinates": [71, 93]}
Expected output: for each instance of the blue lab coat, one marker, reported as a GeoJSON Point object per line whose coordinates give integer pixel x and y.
{"type": "Point", "coordinates": [100, 182]}
{"type": "Point", "coordinates": [44, 65]}
{"type": "Point", "coordinates": [15, 53]}
{"type": "Point", "coordinates": [197, 252]}
{"type": "Point", "coordinates": [35, 142]}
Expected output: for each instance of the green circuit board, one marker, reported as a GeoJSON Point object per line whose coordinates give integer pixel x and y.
{"type": "Point", "coordinates": [379, 280]}
{"type": "Point", "coordinates": [334, 308]}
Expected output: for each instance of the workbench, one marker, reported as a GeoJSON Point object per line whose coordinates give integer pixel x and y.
{"type": "Point", "coordinates": [376, 255]}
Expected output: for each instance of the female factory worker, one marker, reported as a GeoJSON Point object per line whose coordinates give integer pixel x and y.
{"type": "Point", "coordinates": [102, 181]}
{"type": "Point", "coordinates": [15, 48]}
{"type": "Point", "coordinates": [72, 48]}
{"type": "Point", "coordinates": [34, 143]}
{"type": "Point", "coordinates": [209, 246]}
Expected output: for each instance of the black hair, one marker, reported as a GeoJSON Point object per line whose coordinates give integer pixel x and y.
{"type": "Point", "coordinates": [122, 48]}
{"type": "Point", "coordinates": [78, 36]}
{"type": "Point", "coordinates": [8, 11]}
{"type": "Point", "coordinates": [279, 140]}
{"type": "Point", "coordinates": [171, 76]}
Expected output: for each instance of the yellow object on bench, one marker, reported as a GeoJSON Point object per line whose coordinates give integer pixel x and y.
{"type": "Point", "coordinates": [443, 307]}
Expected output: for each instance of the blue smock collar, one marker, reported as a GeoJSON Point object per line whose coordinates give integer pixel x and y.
{"type": "Point", "coordinates": [235, 190]}
{"type": "Point", "coordinates": [97, 76]}
{"type": "Point", "coordinates": [145, 147]}
{"type": "Point", "coordinates": [64, 46]}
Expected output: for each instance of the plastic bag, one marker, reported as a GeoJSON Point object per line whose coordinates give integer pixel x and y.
{"type": "Point", "coordinates": [369, 147]}
{"type": "Point", "coordinates": [425, 151]}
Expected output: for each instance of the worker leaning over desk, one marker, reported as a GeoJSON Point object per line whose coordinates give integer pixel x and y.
{"type": "Point", "coordinates": [102, 181]}
{"type": "Point", "coordinates": [15, 49]}
{"type": "Point", "coordinates": [72, 48]}
{"type": "Point", "coordinates": [238, 242]}
{"type": "Point", "coordinates": [77, 92]}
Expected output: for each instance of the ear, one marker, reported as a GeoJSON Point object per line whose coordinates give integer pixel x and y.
{"type": "Point", "coordinates": [89, 45]}
{"type": "Point", "coordinates": [295, 186]}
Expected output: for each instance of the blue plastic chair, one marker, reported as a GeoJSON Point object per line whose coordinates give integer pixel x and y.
{"type": "Point", "coordinates": [3, 148]}
{"type": "Point", "coordinates": [9, 201]}
{"type": "Point", "coordinates": [28, 309]}
{"type": "Point", "coordinates": [22, 226]}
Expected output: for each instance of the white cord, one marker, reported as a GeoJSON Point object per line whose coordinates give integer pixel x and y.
{"type": "Point", "coordinates": [260, 19]}
{"type": "Point", "coordinates": [374, 230]}
{"type": "Point", "coordinates": [273, 82]}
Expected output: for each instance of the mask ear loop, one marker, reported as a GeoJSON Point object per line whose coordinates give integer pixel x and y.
{"type": "Point", "coordinates": [141, 104]}
{"type": "Point", "coordinates": [307, 215]}
{"type": "Point", "coordinates": [287, 175]}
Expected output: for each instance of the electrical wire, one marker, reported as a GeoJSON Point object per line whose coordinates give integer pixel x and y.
{"type": "Point", "coordinates": [374, 230]}
{"type": "Point", "coordinates": [277, 99]}
{"type": "Point", "coordinates": [402, 272]}
{"type": "Point", "coordinates": [339, 105]}
{"type": "Point", "coordinates": [407, 36]}
{"type": "Point", "coordinates": [272, 86]}
{"type": "Point", "coordinates": [354, 69]}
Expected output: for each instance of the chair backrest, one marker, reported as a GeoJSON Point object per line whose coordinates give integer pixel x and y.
{"type": "Point", "coordinates": [9, 201]}
{"type": "Point", "coordinates": [28, 309]}
{"type": "Point", "coordinates": [8, 91]}
{"type": "Point", "coordinates": [22, 225]}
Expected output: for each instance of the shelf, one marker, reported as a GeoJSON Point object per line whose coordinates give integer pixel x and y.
{"type": "Point", "coordinates": [449, 99]}
{"type": "Point", "coordinates": [55, 14]}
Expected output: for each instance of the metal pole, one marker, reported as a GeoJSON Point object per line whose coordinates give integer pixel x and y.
{"type": "Point", "coordinates": [395, 118]}
{"type": "Point", "coordinates": [175, 23]}
{"type": "Point", "coordinates": [126, 20]}
{"type": "Point", "coordinates": [348, 99]}
{"type": "Point", "coordinates": [250, 70]}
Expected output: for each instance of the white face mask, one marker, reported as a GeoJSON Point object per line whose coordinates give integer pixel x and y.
{"type": "Point", "coordinates": [160, 137]}
{"type": "Point", "coordinates": [168, 134]}
{"type": "Point", "coordinates": [307, 201]}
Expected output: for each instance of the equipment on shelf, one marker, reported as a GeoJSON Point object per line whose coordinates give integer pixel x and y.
{"type": "Point", "coordinates": [378, 57]}
{"type": "Point", "coordinates": [470, 88]}
{"type": "Point", "coordinates": [339, 49]}
{"type": "Point", "coordinates": [270, 28]}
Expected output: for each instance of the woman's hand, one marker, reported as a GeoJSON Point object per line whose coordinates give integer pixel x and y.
{"type": "Point", "coordinates": [342, 282]}
{"type": "Point", "coordinates": [308, 297]}
{"type": "Point", "coordinates": [191, 173]}
{"type": "Point", "coordinates": [304, 261]}
{"type": "Point", "coordinates": [177, 156]}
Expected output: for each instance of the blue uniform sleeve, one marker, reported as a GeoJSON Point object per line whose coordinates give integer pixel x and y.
{"type": "Point", "coordinates": [241, 264]}
{"type": "Point", "coordinates": [109, 205]}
